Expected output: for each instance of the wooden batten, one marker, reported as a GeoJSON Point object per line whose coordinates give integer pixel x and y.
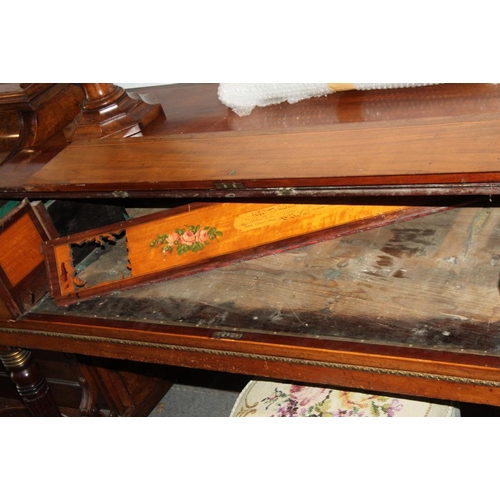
{"type": "Point", "coordinates": [199, 237]}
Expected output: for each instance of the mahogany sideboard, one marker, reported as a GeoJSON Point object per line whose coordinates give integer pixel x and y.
{"type": "Point", "coordinates": [410, 308]}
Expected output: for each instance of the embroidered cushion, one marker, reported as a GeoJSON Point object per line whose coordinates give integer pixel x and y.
{"type": "Point", "coordinates": [274, 399]}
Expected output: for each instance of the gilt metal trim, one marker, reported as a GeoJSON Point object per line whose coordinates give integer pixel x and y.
{"type": "Point", "coordinates": [14, 358]}
{"type": "Point", "coordinates": [261, 357]}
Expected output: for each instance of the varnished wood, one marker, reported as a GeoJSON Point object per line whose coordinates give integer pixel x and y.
{"type": "Point", "coordinates": [446, 153]}
{"type": "Point", "coordinates": [32, 114]}
{"type": "Point", "coordinates": [30, 383]}
{"type": "Point", "coordinates": [198, 237]}
{"type": "Point", "coordinates": [12, 240]}
{"type": "Point", "coordinates": [129, 388]}
{"type": "Point", "coordinates": [410, 308]}
{"type": "Point", "coordinates": [108, 110]}
{"type": "Point", "coordinates": [342, 312]}
{"type": "Point", "coordinates": [22, 278]}
{"type": "Point", "coordinates": [10, 133]}
{"type": "Point", "coordinates": [39, 119]}
{"type": "Point", "coordinates": [403, 370]}
{"type": "Point", "coordinates": [194, 108]}
{"type": "Point", "coordinates": [90, 386]}
{"type": "Point", "coordinates": [404, 283]}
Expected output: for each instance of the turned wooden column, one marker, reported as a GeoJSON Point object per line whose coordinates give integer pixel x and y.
{"type": "Point", "coordinates": [107, 110]}
{"type": "Point", "coordinates": [30, 383]}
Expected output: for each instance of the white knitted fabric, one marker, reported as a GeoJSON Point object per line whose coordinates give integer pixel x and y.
{"type": "Point", "coordinates": [243, 97]}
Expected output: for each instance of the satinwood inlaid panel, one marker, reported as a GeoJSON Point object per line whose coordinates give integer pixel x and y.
{"type": "Point", "coordinates": [22, 275]}
{"type": "Point", "coordinates": [20, 249]}
{"type": "Point", "coordinates": [197, 237]}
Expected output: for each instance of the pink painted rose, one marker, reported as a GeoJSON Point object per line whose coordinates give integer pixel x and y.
{"type": "Point", "coordinates": [172, 239]}
{"type": "Point", "coordinates": [188, 238]}
{"type": "Point", "coordinates": [202, 236]}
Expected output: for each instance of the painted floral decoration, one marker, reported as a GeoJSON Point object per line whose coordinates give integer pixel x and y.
{"type": "Point", "coordinates": [188, 239]}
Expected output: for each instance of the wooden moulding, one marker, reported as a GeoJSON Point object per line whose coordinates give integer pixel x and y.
{"type": "Point", "coordinates": [198, 237]}
{"type": "Point", "coordinates": [32, 114]}
{"type": "Point", "coordinates": [23, 280]}
{"type": "Point", "coordinates": [108, 110]}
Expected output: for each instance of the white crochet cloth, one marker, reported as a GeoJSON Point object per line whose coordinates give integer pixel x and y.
{"type": "Point", "coordinates": [243, 97]}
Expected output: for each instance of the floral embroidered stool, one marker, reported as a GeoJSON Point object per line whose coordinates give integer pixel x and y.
{"type": "Point", "coordinates": [275, 399]}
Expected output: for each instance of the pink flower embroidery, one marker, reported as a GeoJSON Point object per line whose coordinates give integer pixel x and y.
{"type": "Point", "coordinates": [305, 395]}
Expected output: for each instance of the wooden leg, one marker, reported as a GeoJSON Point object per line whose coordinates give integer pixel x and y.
{"type": "Point", "coordinates": [30, 382]}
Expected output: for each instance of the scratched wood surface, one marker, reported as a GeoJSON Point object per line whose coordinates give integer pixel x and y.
{"type": "Point", "coordinates": [431, 282]}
